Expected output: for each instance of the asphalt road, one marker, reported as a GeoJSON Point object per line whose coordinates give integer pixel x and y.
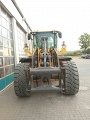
{"type": "Point", "coordinates": [50, 105]}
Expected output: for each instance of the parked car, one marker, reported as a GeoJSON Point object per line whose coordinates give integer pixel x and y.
{"type": "Point", "coordinates": [86, 56]}
{"type": "Point", "coordinates": [83, 55]}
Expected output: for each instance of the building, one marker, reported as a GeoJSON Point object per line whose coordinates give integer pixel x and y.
{"type": "Point", "coordinates": [13, 36]}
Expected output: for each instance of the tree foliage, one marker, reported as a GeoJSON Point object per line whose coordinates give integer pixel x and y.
{"type": "Point", "coordinates": [86, 51]}
{"type": "Point", "coordinates": [73, 53]}
{"type": "Point", "coordinates": [84, 41]}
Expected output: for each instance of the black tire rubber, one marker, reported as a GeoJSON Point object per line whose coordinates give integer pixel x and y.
{"type": "Point", "coordinates": [21, 85]}
{"type": "Point", "coordinates": [71, 78]}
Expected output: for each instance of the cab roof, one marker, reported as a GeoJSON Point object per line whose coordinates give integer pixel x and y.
{"type": "Point", "coordinates": [53, 31]}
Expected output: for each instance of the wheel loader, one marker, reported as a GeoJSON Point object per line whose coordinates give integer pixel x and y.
{"type": "Point", "coordinates": [45, 68]}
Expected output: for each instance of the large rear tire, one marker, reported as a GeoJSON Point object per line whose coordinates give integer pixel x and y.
{"type": "Point", "coordinates": [22, 85]}
{"type": "Point", "coordinates": [70, 79]}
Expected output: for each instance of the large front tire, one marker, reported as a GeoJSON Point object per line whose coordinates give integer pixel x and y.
{"type": "Point", "coordinates": [22, 86]}
{"type": "Point", "coordinates": [70, 78]}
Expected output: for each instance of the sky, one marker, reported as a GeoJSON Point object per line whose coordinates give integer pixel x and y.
{"type": "Point", "coordinates": [71, 17]}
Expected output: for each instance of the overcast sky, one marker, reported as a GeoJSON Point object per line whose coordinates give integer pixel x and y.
{"type": "Point", "coordinates": [71, 17]}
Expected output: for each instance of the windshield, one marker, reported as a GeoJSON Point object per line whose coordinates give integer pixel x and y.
{"type": "Point", "coordinates": [38, 40]}
{"type": "Point", "coordinates": [49, 42]}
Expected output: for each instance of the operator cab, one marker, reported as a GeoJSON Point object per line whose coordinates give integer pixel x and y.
{"type": "Point", "coordinates": [51, 42]}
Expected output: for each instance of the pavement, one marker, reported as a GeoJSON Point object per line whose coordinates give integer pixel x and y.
{"type": "Point", "coordinates": [49, 105]}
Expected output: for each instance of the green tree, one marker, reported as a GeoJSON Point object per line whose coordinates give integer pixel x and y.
{"type": "Point", "coordinates": [84, 41]}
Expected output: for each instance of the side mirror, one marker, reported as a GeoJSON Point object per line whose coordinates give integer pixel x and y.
{"type": "Point", "coordinates": [29, 36]}
{"type": "Point", "coordinates": [59, 34]}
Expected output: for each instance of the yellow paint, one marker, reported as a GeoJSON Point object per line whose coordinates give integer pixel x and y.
{"type": "Point", "coordinates": [38, 57]}
{"type": "Point", "coordinates": [28, 52]}
{"type": "Point", "coordinates": [61, 51]}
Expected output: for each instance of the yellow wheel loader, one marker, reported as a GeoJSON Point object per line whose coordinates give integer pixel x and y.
{"type": "Point", "coordinates": [45, 68]}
